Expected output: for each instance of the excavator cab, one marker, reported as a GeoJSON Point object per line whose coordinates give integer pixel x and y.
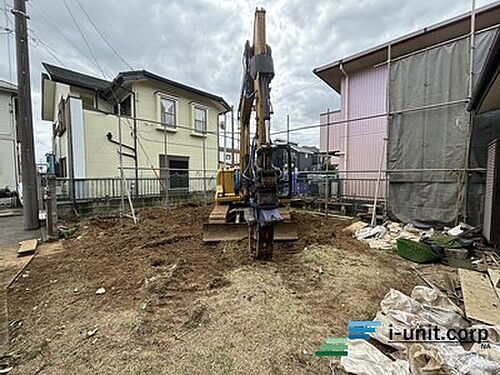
{"type": "Point", "coordinates": [228, 219]}
{"type": "Point", "coordinates": [249, 201]}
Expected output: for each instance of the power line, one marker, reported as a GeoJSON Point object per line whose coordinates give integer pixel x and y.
{"type": "Point", "coordinates": [76, 47]}
{"type": "Point", "coordinates": [84, 39]}
{"type": "Point", "coordinates": [298, 90]}
{"type": "Point", "coordinates": [103, 37]}
{"type": "Point", "coordinates": [35, 38]}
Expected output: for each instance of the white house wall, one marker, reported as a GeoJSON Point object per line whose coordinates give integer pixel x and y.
{"type": "Point", "coordinates": [77, 132]}
{"type": "Point", "coordinates": [102, 158]}
{"type": "Point", "coordinates": [8, 172]}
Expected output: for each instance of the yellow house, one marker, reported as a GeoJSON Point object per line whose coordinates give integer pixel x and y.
{"type": "Point", "coordinates": [158, 117]}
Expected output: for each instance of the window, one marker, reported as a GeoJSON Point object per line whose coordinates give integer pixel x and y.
{"type": "Point", "coordinates": [168, 112]}
{"type": "Point", "coordinates": [16, 109]}
{"type": "Point", "coordinates": [87, 101]}
{"type": "Point", "coordinates": [125, 107]}
{"type": "Point", "coordinates": [178, 173]}
{"type": "Point", "coordinates": [62, 169]}
{"type": "Point", "coordinates": [200, 120]}
{"type": "Point", "coordinates": [61, 116]}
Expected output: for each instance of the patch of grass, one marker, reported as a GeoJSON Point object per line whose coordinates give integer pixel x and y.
{"type": "Point", "coordinates": [254, 323]}
{"type": "Point", "coordinates": [320, 255]}
{"type": "Point", "coordinates": [230, 246]}
{"type": "Point", "coordinates": [129, 326]}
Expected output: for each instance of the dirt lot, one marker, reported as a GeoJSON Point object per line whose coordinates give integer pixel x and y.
{"type": "Point", "coordinates": [174, 305]}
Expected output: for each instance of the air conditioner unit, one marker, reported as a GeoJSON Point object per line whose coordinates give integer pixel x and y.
{"type": "Point", "coordinates": [491, 221]}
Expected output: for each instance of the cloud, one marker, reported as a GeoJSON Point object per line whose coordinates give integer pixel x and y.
{"type": "Point", "coordinates": [200, 42]}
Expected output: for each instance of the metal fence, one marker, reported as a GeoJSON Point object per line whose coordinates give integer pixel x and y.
{"type": "Point", "coordinates": [180, 182]}
{"type": "Point", "coordinates": [360, 186]}
{"type": "Point", "coordinates": [327, 189]}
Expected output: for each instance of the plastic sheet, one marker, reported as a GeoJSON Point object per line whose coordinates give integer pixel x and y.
{"type": "Point", "coordinates": [364, 359]}
{"type": "Point", "coordinates": [428, 312]}
{"type": "Point", "coordinates": [433, 297]}
{"type": "Point", "coordinates": [425, 362]}
{"type": "Point", "coordinates": [460, 361]}
{"type": "Point", "coordinates": [429, 306]}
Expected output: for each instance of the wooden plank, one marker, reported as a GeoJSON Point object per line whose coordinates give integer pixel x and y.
{"type": "Point", "coordinates": [480, 299]}
{"type": "Point", "coordinates": [27, 247]}
{"type": "Point", "coordinates": [9, 213]}
{"type": "Point", "coordinates": [495, 280]}
{"type": "Point", "coordinates": [27, 260]}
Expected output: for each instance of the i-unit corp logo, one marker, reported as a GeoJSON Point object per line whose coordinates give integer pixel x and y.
{"type": "Point", "coordinates": [361, 329]}
{"type": "Point", "coordinates": [338, 346]}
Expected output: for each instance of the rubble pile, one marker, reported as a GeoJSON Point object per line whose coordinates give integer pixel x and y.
{"type": "Point", "coordinates": [460, 243]}
{"type": "Point", "coordinates": [427, 307]}
{"type": "Point", "coordinates": [384, 237]}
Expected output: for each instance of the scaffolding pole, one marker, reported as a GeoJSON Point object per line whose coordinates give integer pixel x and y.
{"type": "Point", "coordinates": [204, 168]}
{"type": "Point", "coordinates": [166, 166]}
{"type": "Point", "coordinates": [377, 187]}
{"type": "Point", "coordinates": [232, 136]}
{"type": "Point", "coordinates": [288, 129]}
{"type": "Point", "coordinates": [120, 156]}
{"type": "Point", "coordinates": [462, 192]}
{"type": "Point", "coordinates": [225, 142]}
{"type": "Point", "coordinates": [387, 108]}
{"type": "Point", "coordinates": [327, 187]}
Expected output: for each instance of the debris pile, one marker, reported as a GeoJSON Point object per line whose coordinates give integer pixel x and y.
{"type": "Point", "coordinates": [453, 245]}
{"type": "Point", "coordinates": [475, 313]}
{"type": "Point", "coordinates": [384, 237]}
{"type": "Point", "coordinates": [426, 310]}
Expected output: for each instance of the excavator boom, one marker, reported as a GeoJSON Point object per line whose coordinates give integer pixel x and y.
{"type": "Point", "coordinates": [247, 198]}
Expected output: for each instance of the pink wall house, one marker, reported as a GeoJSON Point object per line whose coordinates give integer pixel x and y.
{"type": "Point", "coordinates": [358, 129]}
{"type": "Point", "coordinates": [358, 136]}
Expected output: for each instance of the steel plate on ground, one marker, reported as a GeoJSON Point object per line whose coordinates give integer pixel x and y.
{"type": "Point", "coordinates": [214, 232]}
{"type": "Point", "coordinates": [285, 231]}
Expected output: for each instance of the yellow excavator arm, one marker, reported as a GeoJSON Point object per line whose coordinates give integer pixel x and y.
{"type": "Point", "coordinates": [248, 195]}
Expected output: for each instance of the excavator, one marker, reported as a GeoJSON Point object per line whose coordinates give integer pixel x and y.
{"type": "Point", "coordinates": [249, 200]}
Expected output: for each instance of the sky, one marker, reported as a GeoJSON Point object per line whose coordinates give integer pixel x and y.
{"type": "Point", "coordinates": [200, 43]}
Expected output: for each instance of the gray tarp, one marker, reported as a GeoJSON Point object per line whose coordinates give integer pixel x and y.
{"type": "Point", "coordinates": [434, 138]}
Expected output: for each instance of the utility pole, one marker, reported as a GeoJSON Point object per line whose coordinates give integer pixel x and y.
{"type": "Point", "coordinates": [25, 118]}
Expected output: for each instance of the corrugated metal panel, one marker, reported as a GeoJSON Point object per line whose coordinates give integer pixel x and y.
{"type": "Point", "coordinates": [367, 96]}
{"type": "Point", "coordinates": [336, 131]}
{"type": "Point", "coordinates": [367, 92]}
{"type": "Point", "coordinates": [491, 222]}
{"type": "Point", "coordinates": [365, 138]}
{"type": "Point", "coordinates": [365, 143]}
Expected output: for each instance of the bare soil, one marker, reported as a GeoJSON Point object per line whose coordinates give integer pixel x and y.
{"type": "Point", "coordinates": [175, 305]}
